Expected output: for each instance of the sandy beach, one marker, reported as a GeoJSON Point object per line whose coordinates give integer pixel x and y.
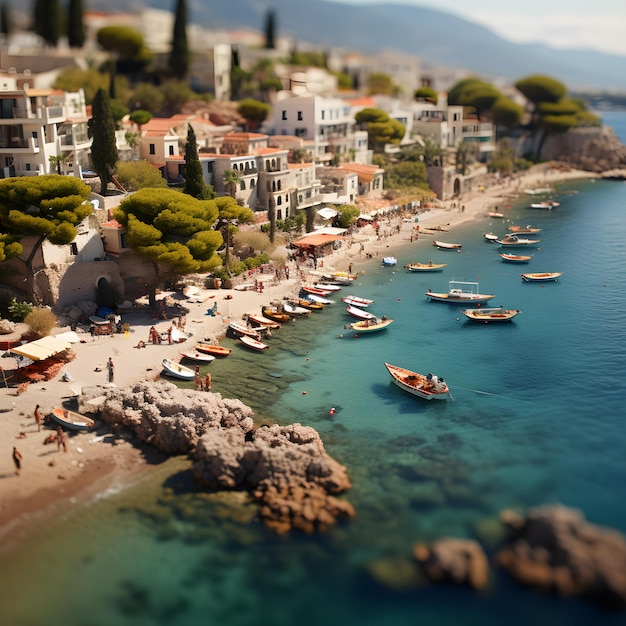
{"type": "Point", "coordinates": [51, 479]}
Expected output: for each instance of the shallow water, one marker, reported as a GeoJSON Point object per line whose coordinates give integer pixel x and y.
{"type": "Point", "coordinates": [536, 418]}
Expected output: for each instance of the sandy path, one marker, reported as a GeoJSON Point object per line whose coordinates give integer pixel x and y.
{"type": "Point", "coordinates": [51, 476]}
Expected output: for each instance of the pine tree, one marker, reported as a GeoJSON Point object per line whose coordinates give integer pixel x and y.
{"type": "Point", "coordinates": [194, 179]}
{"type": "Point", "coordinates": [75, 25]}
{"type": "Point", "coordinates": [103, 149]}
{"type": "Point", "coordinates": [270, 28]}
{"type": "Point", "coordinates": [178, 62]}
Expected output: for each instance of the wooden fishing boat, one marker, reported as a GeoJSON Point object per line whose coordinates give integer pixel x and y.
{"type": "Point", "coordinates": [459, 293]}
{"type": "Point", "coordinates": [272, 313]}
{"type": "Point", "coordinates": [262, 321]}
{"type": "Point", "coordinates": [196, 355]}
{"type": "Point", "coordinates": [171, 368]}
{"type": "Point", "coordinates": [442, 245]}
{"type": "Point", "coordinates": [214, 349]}
{"type": "Point", "coordinates": [515, 258]}
{"type": "Point", "coordinates": [370, 325]}
{"type": "Point", "coordinates": [309, 304]}
{"type": "Point", "coordinates": [487, 315]}
{"type": "Point", "coordinates": [524, 230]}
{"type": "Point", "coordinates": [316, 291]}
{"type": "Point", "coordinates": [495, 214]}
{"type": "Point", "coordinates": [360, 313]}
{"type": "Point", "coordinates": [541, 277]}
{"type": "Point", "coordinates": [356, 301]}
{"type": "Point", "coordinates": [547, 205]}
{"type": "Point", "coordinates": [294, 310]}
{"type": "Point", "coordinates": [490, 237]}
{"type": "Point", "coordinates": [389, 261]}
{"type": "Point", "coordinates": [70, 419]}
{"type": "Point", "coordinates": [538, 191]}
{"type": "Point", "coordinates": [513, 241]}
{"type": "Point", "coordinates": [253, 343]}
{"type": "Point", "coordinates": [425, 267]}
{"type": "Point", "coordinates": [318, 299]}
{"type": "Point", "coordinates": [328, 287]}
{"type": "Point", "coordinates": [429, 387]}
{"type": "Point", "coordinates": [340, 278]}
{"type": "Point", "coordinates": [238, 329]}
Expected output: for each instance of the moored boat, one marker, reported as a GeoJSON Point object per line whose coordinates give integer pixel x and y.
{"type": "Point", "coordinates": [239, 328]}
{"type": "Point", "coordinates": [389, 261]}
{"type": "Point", "coordinates": [515, 258]}
{"type": "Point", "coordinates": [316, 291]}
{"type": "Point", "coordinates": [177, 370]}
{"type": "Point", "coordinates": [328, 287]}
{"type": "Point", "coordinates": [318, 299]}
{"type": "Point", "coordinates": [460, 292]}
{"type": "Point", "coordinates": [429, 387]}
{"type": "Point", "coordinates": [495, 214]}
{"type": "Point", "coordinates": [253, 343]}
{"type": "Point", "coordinates": [295, 310]}
{"type": "Point", "coordinates": [442, 245]}
{"type": "Point", "coordinates": [541, 277]}
{"type": "Point", "coordinates": [262, 321]}
{"type": "Point", "coordinates": [196, 355]}
{"type": "Point", "coordinates": [369, 325]}
{"type": "Point", "coordinates": [425, 267]}
{"type": "Point", "coordinates": [272, 313]}
{"type": "Point", "coordinates": [490, 237]}
{"type": "Point", "coordinates": [360, 313]}
{"type": "Point", "coordinates": [356, 301]}
{"type": "Point", "coordinates": [548, 205]}
{"type": "Point", "coordinates": [214, 349]}
{"type": "Point", "coordinates": [524, 230]}
{"type": "Point", "coordinates": [70, 419]}
{"type": "Point", "coordinates": [498, 314]}
{"type": "Point", "coordinates": [513, 241]}
{"type": "Point", "coordinates": [309, 304]}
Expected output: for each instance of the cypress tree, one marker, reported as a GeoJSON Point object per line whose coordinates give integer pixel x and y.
{"type": "Point", "coordinates": [39, 17]}
{"type": "Point", "coordinates": [103, 149]}
{"type": "Point", "coordinates": [6, 23]}
{"type": "Point", "coordinates": [194, 180]}
{"type": "Point", "coordinates": [75, 25]}
{"type": "Point", "coordinates": [178, 62]}
{"type": "Point", "coordinates": [270, 30]}
{"type": "Point", "coordinates": [47, 20]}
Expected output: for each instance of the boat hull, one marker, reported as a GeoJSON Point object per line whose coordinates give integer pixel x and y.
{"type": "Point", "coordinates": [544, 277]}
{"type": "Point", "coordinates": [369, 326]}
{"type": "Point", "coordinates": [356, 312]}
{"type": "Point", "coordinates": [175, 370]}
{"type": "Point", "coordinates": [215, 350]}
{"type": "Point", "coordinates": [201, 357]}
{"type": "Point", "coordinates": [490, 315]}
{"type": "Point", "coordinates": [417, 384]}
{"type": "Point", "coordinates": [425, 267]}
{"type": "Point", "coordinates": [71, 420]}
{"type": "Point", "coordinates": [442, 245]}
{"type": "Point", "coordinates": [462, 299]}
{"type": "Point", "coordinates": [515, 258]}
{"type": "Point", "coordinates": [253, 344]}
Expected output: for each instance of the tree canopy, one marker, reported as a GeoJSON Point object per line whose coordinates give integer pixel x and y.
{"type": "Point", "coordinates": [539, 88]}
{"type": "Point", "coordinates": [347, 214]}
{"type": "Point", "coordinates": [381, 129]}
{"type": "Point", "coordinates": [254, 111]}
{"type": "Point", "coordinates": [379, 83]}
{"type": "Point", "coordinates": [506, 112]}
{"type": "Point", "coordinates": [194, 177]}
{"type": "Point", "coordinates": [135, 175]}
{"type": "Point", "coordinates": [426, 93]}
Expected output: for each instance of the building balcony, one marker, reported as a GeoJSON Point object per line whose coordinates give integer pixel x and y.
{"type": "Point", "coordinates": [20, 145]}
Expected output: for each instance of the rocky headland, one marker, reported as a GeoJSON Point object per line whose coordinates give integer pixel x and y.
{"type": "Point", "coordinates": [286, 469]}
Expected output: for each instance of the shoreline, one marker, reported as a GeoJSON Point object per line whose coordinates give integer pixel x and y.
{"type": "Point", "coordinates": [94, 461]}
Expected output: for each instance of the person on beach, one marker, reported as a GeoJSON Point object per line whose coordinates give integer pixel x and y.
{"type": "Point", "coordinates": [17, 460]}
{"type": "Point", "coordinates": [61, 442]}
{"type": "Point", "coordinates": [38, 417]}
{"type": "Point", "coordinates": [207, 382]}
{"type": "Point", "coordinates": [169, 335]}
{"type": "Point", "coordinates": [198, 383]}
{"type": "Point", "coordinates": [111, 369]}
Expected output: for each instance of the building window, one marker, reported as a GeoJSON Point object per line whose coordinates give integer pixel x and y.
{"type": "Point", "coordinates": [73, 248]}
{"type": "Point", "coordinates": [28, 167]}
{"type": "Point", "coordinates": [279, 200]}
{"type": "Point", "coordinates": [284, 115]}
{"type": "Point", "coordinates": [242, 186]}
{"type": "Point", "coordinates": [279, 214]}
{"type": "Point", "coordinates": [152, 149]}
{"type": "Point", "coordinates": [299, 116]}
{"type": "Point", "coordinates": [323, 114]}
{"type": "Point", "coordinates": [252, 183]}
{"type": "Point", "coordinates": [171, 150]}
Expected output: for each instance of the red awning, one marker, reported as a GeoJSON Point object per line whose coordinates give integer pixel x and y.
{"type": "Point", "coordinates": [314, 241]}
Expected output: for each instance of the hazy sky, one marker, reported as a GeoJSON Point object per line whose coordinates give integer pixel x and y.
{"type": "Point", "coordinates": [596, 24]}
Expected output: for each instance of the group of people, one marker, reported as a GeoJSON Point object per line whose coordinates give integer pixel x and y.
{"type": "Point", "coordinates": [203, 383]}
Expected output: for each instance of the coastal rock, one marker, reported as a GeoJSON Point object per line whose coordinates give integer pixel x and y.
{"type": "Point", "coordinates": [554, 549]}
{"type": "Point", "coordinates": [458, 561]}
{"type": "Point", "coordinates": [170, 418]}
{"type": "Point", "coordinates": [7, 327]}
{"type": "Point", "coordinates": [285, 467]}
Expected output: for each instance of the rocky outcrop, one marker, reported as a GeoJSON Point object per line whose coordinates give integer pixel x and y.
{"type": "Point", "coordinates": [451, 560]}
{"type": "Point", "coordinates": [7, 327]}
{"type": "Point", "coordinates": [554, 549]}
{"type": "Point", "coordinates": [285, 468]}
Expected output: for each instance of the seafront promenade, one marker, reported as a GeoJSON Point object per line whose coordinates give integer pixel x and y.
{"type": "Point", "coordinates": [50, 477]}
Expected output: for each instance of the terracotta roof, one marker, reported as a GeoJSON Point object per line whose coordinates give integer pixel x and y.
{"type": "Point", "coordinates": [112, 224]}
{"type": "Point", "coordinates": [246, 136]}
{"type": "Point", "coordinates": [366, 172]}
{"type": "Point", "coordinates": [361, 102]}
{"type": "Point", "coordinates": [262, 151]}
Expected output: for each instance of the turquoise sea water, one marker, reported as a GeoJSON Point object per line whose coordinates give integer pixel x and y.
{"type": "Point", "coordinates": [537, 418]}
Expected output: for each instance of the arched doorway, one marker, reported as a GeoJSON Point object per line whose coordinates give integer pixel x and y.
{"type": "Point", "coordinates": [456, 191]}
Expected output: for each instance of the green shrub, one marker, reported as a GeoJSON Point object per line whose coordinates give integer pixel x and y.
{"type": "Point", "coordinates": [18, 311]}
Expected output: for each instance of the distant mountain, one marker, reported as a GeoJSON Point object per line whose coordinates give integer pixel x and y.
{"type": "Point", "coordinates": [435, 36]}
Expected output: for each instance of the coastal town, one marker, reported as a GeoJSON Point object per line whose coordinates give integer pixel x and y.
{"type": "Point", "coordinates": [306, 190]}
